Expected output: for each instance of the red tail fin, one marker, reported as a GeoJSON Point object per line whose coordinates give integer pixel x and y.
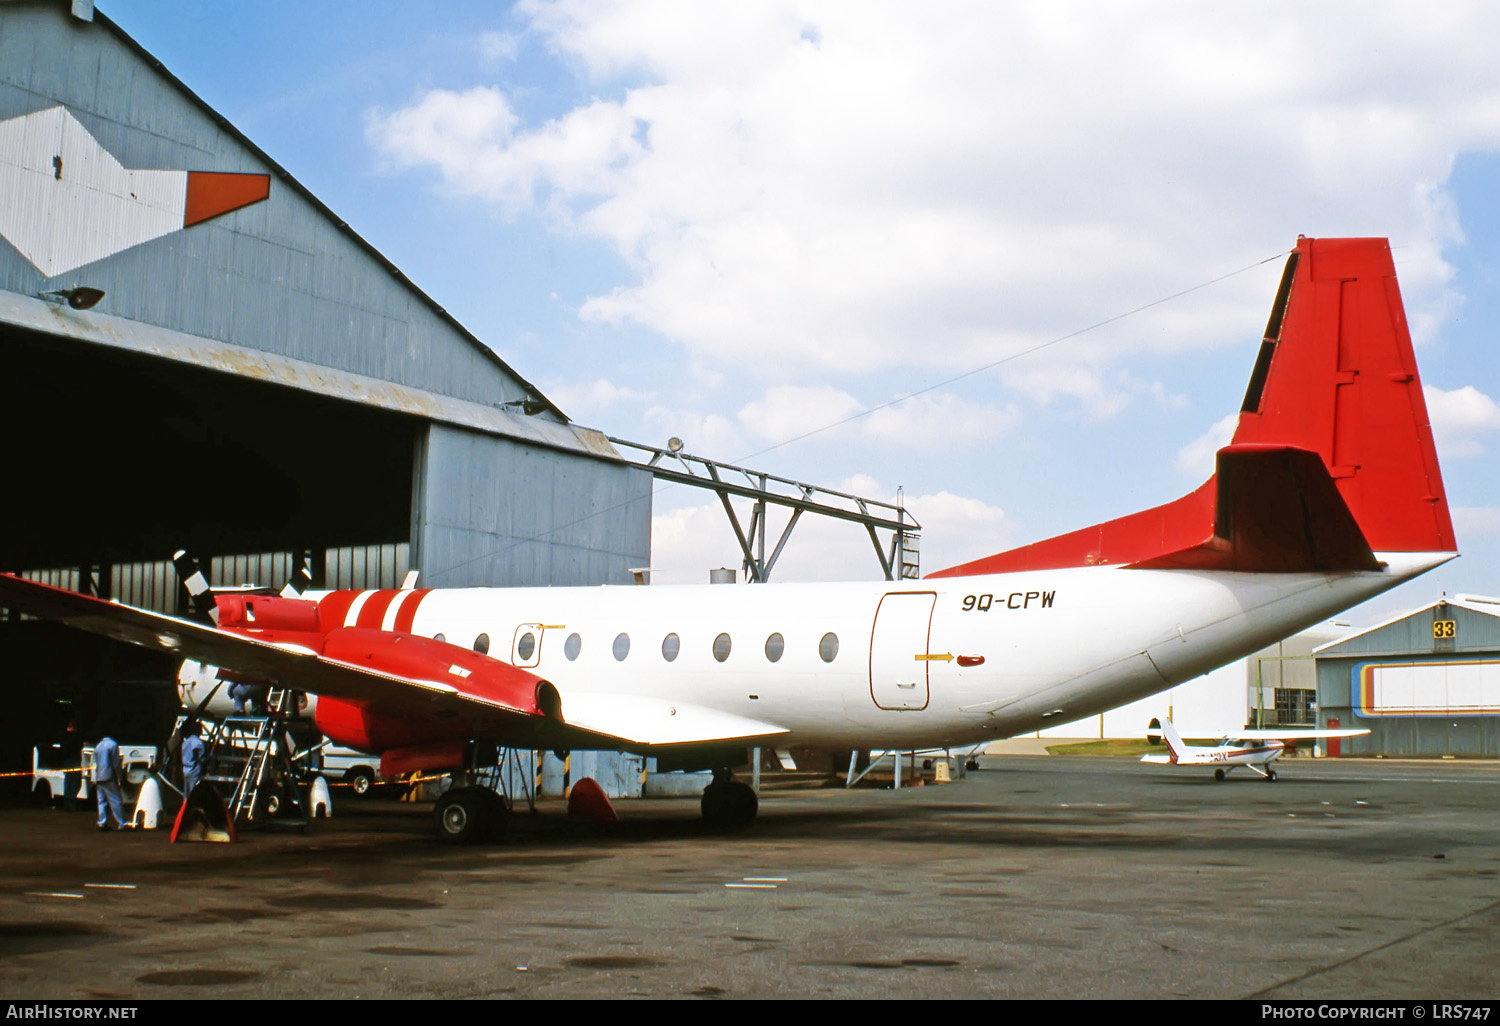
{"type": "Point", "coordinates": [1335, 377]}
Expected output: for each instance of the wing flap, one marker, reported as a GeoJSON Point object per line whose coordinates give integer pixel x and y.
{"type": "Point", "coordinates": [647, 722]}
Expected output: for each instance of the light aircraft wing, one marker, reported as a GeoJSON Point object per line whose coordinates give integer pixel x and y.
{"type": "Point", "coordinates": [588, 720]}
{"type": "Point", "coordinates": [1291, 734]}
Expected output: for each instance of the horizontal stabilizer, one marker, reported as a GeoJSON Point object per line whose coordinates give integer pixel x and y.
{"type": "Point", "coordinates": [1276, 510]}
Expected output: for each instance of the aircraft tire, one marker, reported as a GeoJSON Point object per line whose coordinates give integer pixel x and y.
{"type": "Point", "coordinates": [972, 764]}
{"type": "Point", "coordinates": [1218, 774]}
{"type": "Point", "coordinates": [462, 816]}
{"type": "Point", "coordinates": [1270, 774]}
{"type": "Point", "coordinates": [729, 804]}
{"type": "Point", "coordinates": [497, 815]}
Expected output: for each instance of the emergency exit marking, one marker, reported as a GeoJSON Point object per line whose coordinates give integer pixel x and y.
{"type": "Point", "coordinates": [1444, 628]}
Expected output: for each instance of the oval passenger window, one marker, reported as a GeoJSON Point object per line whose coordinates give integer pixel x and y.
{"type": "Point", "coordinates": [721, 647]}
{"type": "Point", "coordinates": [439, 637]}
{"type": "Point", "coordinates": [482, 644]}
{"type": "Point", "coordinates": [572, 646]}
{"type": "Point", "coordinates": [526, 646]}
{"type": "Point", "coordinates": [775, 645]}
{"type": "Point", "coordinates": [829, 646]}
{"type": "Point", "coordinates": [670, 646]}
{"type": "Point", "coordinates": [622, 646]}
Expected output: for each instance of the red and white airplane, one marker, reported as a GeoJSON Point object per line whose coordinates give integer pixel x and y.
{"type": "Point", "coordinates": [1253, 749]}
{"type": "Point", "coordinates": [1328, 495]}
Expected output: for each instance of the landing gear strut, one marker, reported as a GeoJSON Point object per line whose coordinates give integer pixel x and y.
{"type": "Point", "coordinates": [728, 803]}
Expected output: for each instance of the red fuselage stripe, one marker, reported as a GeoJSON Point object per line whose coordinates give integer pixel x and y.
{"type": "Point", "coordinates": [408, 611]}
{"type": "Point", "coordinates": [372, 613]}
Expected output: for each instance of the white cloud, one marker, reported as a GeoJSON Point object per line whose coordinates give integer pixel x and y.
{"type": "Point", "coordinates": [868, 185]}
{"type": "Point", "coordinates": [497, 47]}
{"type": "Point", "coordinates": [789, 411]}
{"type": "Point", "coordinates": [587, 399]}
{"type": "Point", "coordinates": [1460, 419]}
{"type": "Point", "coordinates": [710, 435]}
{"type": "Point", "coordinates": [1197, 457]}
{"type": "Point", "coordinates": [1475, 520]}
{"type": "Point", "coordinates": [786, 412]}
{"type": "Point", "coordinates": [471, 137]}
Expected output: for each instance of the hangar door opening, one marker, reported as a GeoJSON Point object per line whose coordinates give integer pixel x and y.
{"type": "Point", "coordinates": [116, 460]}
{"type": "Point", "coordinates": [123, 458]}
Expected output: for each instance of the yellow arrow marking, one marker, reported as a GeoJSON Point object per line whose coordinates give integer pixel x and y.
{"type": "Point", "coordinates": [933, 658]}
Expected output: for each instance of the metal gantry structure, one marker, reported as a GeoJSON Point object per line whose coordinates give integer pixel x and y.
{"type": "Point", "coordinates": [899, 554]}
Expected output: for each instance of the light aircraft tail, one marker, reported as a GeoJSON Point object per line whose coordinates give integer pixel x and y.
{"type": "Point", "coordinates": [1173, 739]}
{"type": "Point", "coordinates": [1332, 460]}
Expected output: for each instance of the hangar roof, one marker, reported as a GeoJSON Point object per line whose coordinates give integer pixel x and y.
{"type": "Point", "coordinates": [284, 277]}
{"type": "Point", "coordinates": [1476, 620]}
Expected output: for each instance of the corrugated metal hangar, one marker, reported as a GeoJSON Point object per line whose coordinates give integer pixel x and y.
{"type": "Point", "coordinates": [256, 384]}
{"type": "Point", "coordinates": [1426, 684]}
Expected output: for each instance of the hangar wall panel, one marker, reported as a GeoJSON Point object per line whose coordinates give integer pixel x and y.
{"type": "Point", "coordinates": [493, 512]}
{"type": "Point", "coordinates": [1422, 692]}
{"type": "Point", "coordinates": [283, 275]}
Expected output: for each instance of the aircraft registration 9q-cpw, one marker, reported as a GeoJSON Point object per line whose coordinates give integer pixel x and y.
{"type": "Point", "coordinates": [1328, 494]}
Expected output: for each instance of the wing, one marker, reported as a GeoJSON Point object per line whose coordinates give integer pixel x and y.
{"type": "Point", "coordinates": [1292, 734]}
{"type": "Point", "coordinates": [452, 690]}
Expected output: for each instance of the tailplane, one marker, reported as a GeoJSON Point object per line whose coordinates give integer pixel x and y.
{"type": "Point", "coordinates": [1332, 460]}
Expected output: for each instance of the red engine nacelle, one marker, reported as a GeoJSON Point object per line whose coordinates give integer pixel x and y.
{"type": "Point", "coordinates": [267, 613]}
{"type": "Point", "coordinates": [365, 726]}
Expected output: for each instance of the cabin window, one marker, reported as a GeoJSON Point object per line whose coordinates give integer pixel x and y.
{"type": "Point", "coordinates": [622, 646]}
{"type": "Point", "coordinates": [482, 644]}
{"type": "Point", "coordinates": [572, 646]}
{"type": "Point", "coordinates": [828, 648]}
{"type": "Point", "coordinates": [526, 646]}
{"type": "Point", "coordinates": [439, 637]}
{"type": "Point", "coordinates": [775, 645]}
{"type": "Point", "coordinates": [721, 647]}
{"type": "Point", "coordinates": [670, 646]}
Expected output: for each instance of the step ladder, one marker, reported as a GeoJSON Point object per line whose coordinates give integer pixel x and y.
{"type": "Point", "coordinates": [253, 759]}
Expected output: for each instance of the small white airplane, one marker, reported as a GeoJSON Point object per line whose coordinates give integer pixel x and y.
{"type": "Point", "coordinates": [1253, 749]}
{"type": "Point", "coordinates": [1328, 494]}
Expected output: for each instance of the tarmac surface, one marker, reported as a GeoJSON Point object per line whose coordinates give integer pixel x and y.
{"type": "Point", "coordinates": [1061, 877]}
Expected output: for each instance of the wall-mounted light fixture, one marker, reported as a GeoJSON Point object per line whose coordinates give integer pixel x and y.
{"type": "Point", "coordinates": [530, 407]}
{"type": "Point", "coordinates": [79, 297]}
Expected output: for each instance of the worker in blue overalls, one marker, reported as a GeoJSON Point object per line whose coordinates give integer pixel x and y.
{"type": "Point", "coordinates": [109, 774]}
{"type": "Point", "coordinates": [192, 757]}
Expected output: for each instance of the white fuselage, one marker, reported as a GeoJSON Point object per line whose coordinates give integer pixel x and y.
{"type": "Point", "coordinates": [1055, 645]}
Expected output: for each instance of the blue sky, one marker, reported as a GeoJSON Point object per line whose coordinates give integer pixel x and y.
{"type": "Point", "coordinates": [737, 224]}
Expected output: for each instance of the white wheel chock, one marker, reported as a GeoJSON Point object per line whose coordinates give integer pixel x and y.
{"type": "Point", "coordinates": [147, 806]}
{"type": "Point", "coordinates": [318, 797]}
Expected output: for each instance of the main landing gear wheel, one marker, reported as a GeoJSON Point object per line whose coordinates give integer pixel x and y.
{"type": "Point", "coordinates": [1270, 774]}
{"type": "Point", "coordinates": [729, 804]}
{"type": "Point", "coordinates": [468, 815]}
{"type": "Point", "coordinates": [1218, 774]}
